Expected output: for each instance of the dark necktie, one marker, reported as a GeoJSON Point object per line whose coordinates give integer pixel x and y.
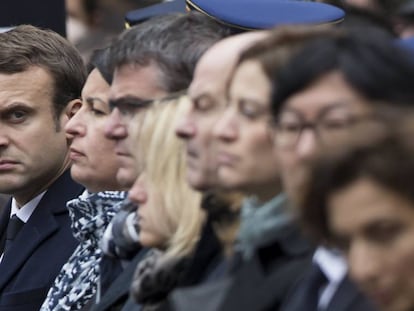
{"type": "Point", "coordinates": [13, 228]}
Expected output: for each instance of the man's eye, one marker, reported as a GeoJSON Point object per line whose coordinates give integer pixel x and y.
{"type": "Point", "coordinates": [127, 110]}
{"type": "Point", "coordinates": [385, 233]}
{"type": "Point", "coordinates": [17, 116]}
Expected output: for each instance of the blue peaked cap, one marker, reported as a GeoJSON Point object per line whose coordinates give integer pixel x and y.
{"type": "Point", "coordinates": [141, 15]}
{"type": "Point", "coordinates": [246, 14]}
{"type": "Point", "coordinates": [265, 14]}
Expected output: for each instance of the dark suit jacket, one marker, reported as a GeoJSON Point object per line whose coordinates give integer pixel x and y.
{"type": "Point", "coordinates": [207, 263]}
{"type": "Point", "coordinates": [263, 282]}
{"type": "Point", "coordinates": [40, 249]}
{"type": "Point", "coordinates": [117, 294]}
{"type": "Point", "coordinates": [259, 284]}
{"type": "Point", "coordinates": [346, 298]}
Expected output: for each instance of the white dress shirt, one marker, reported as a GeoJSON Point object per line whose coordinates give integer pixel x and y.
{"type": "Point", "coordinates": [334, 266]}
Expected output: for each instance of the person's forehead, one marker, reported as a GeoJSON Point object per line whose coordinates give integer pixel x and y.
{"type": "Point", "coordinates": [136, 72]}
{"type": "Point", "coordinates": [33, 83]}
{"type": "Point", "coordinates": [249, 72]}
{"type": "Point", "coordinates": [95, 83]}
{"type": "Point", "coordinates": [215, 67]}
{"type": "Point", "coordinates": [208, 81]}
{"type": "Point", "coordinates": [330, 90]}
{"type": "Point", "coordinates": [139, 81]}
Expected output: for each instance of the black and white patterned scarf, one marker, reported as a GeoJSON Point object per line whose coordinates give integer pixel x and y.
{"type": "Point", "coordinates": [77, 281]}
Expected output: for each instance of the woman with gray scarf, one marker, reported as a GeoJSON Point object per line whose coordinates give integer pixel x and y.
{"type": "Point", "coordinates": [270, 252]}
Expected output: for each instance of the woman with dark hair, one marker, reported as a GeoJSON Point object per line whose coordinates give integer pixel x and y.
{"type": "Point", "coordinates": [94, 165]}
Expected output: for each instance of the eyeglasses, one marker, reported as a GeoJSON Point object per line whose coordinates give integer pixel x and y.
{"type": "Point", "coordinates": [330, 125]}
{"type": "Point", "coordinates": [129, 106]}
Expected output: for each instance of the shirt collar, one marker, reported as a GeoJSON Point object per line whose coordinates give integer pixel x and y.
{"type": "Point", "coordinates": [26, 210]}
{"type": "Point", "coordinates": [332, 264]}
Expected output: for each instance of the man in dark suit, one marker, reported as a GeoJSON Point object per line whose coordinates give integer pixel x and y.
{"type": "Point", "coordinates": [326, 286]}
{"type": "Point", "coordinates": [41, 77]}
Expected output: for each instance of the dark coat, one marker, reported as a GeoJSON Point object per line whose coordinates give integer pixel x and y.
{"type": "Point", "coordinates": [346, 298]}
{"type": "Point", "coordinates": [261, 283]}
{"type": "Point", "coordinates": [207, 263]}
{"type": "Point", "coordinates": [118, 292]}
{"type": "Point", "coordinates": [40, 249]}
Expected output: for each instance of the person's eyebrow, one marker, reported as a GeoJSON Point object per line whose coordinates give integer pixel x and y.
{"type": "Point", "coordinates": [130, 101]}
{"type": "Point", "coordinates": [91, 100]}
{"type": "Point", "coordinates": [140, 103]}
{"type": "Point", "coordinates": [16, 106]}
{"type": "Point", "coordinates": [332, 106]}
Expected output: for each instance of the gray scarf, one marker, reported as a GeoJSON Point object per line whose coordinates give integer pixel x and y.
{"type": "Point", "coordinates": [261, 223]}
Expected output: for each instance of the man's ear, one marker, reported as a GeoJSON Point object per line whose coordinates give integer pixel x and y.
{"type": "Point", "coordinates": [73, 107]}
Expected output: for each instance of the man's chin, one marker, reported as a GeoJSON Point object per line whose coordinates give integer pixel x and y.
{"type": "Point", "coordinates": [201, 182]}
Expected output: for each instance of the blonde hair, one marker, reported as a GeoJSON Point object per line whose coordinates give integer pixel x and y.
{"type": "Point", "coordinates": [161, 156]}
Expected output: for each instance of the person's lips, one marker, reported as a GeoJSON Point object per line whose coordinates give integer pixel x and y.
{"type": "Point", "coordinates": [123, 154]}
{"type": "Point", "coordinates": [381, 297]}
{"type": "Point", "coordinates": [7, 164]}
{"type": "Point", "coordinates": [192, 152]}
{"type": "Point", "coordinates": [122, 151]}
{"type": "Point", "coordinates": [75, 154]}
{"type": "Point", "coordinates": [225, 158]}
{"type": "Point", "coordinates": [192, 158]}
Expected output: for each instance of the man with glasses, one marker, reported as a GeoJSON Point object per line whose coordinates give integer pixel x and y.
{"type": "Point", "coordinates": [318, 100]}
{"type": "Point", "coordinates": [150, 61]}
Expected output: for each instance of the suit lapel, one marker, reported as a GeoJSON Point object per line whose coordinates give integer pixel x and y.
{"type": "Point", "coordinates": [344, 296]}
{"type": "Point", "coordinates": [30, 237]}
{"type": "Point", "coordinates": [40, 226]}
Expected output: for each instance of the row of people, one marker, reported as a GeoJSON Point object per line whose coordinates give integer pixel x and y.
{"type": "Point", "coordinates": [213, 138]}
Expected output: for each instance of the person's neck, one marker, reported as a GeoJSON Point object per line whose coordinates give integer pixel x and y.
{"type": "Point", "coordinates": [265, 193]}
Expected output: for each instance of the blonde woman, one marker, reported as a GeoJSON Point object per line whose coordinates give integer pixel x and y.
{"type": "Point", "coordinates": [169, 214]}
